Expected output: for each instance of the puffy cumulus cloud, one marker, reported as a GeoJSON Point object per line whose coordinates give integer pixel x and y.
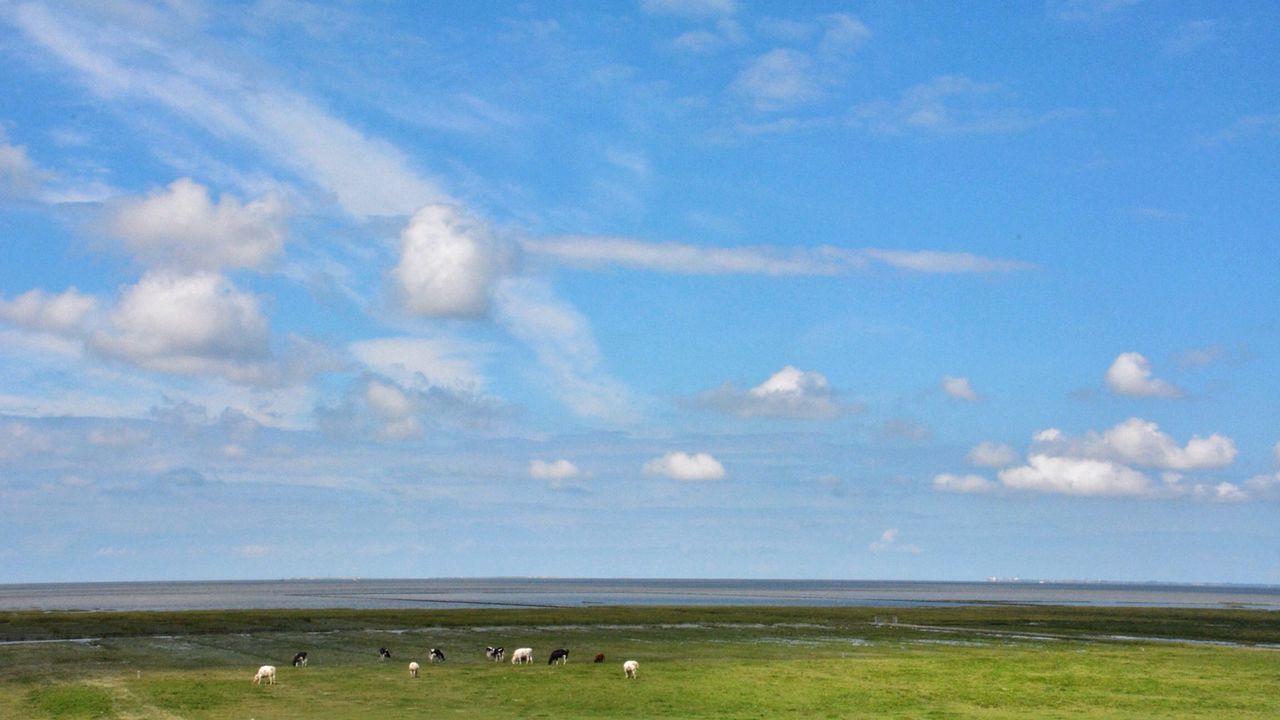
{"type": "Point", "coordinates": [948, 482]}
{"type": "Point", "coordinates": [1130, 374]}
{"type": "Point", "coordinates": [555, 471]}
{"type": "Point", "coordinates": [64, 313]}
{"type": "Point", "coordinates": [958, 388]}
{"type": "Point", "coordinates": [789, 393]}
{"type": "Point", "coordinates": [1140, 442]}
{"type": "Point", "coordinates": [779, 79]}
{"type": "Point", "coordinates": [181, 228]}
{"type": "Point", "coordinates": [1075, 476]}
{"type": "Point", "coordinates": [189, 325]}
{"type": "Point", "coordinates": [992, 455]}
{"type": "Point", "coordinates": [1111, 463]}
{"type": "Point", "coordinates": [394, 408]}
{"type": "Point", "coordinates": [683, 466]}
{"type": "Point", "coordinates": [449, 263]}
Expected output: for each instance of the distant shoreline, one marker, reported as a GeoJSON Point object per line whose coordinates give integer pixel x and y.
{"type": "Point", "coordinates": [383, 593]}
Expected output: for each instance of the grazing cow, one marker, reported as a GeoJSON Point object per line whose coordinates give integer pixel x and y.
{"type": "Point", "coordinates": [300, 660]}
{"type": "Point", "coordinates": [599, 657]}
{"type": "Point", "coordinates": [437, 655]}
{"type": "Point", "coordinates": [413, 669]}
{"type": "Point", "coordinates": [559, 654]}
{"type": "Point", "coordinates": [522, 656]}
{"type": "Point", "coordinates": [384, 654]}
{"type": "Point", "coordinates": [630, 669]}
{"type": "Point", "coordinates": [495, 653]}
{"type": "Point", "coordinates": [266, 672]}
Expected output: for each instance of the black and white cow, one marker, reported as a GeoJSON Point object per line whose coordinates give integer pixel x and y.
{"type": "Point", "coordinates": [495, 653]}
{"type": "Point", "coordinates": [559, 655]}
{"type": "Point", "coordinates": [300, 660]}
{"type": "Point", "coordinates": [384, 654]}
{"type": "Point", "coordinates": [437, 655]}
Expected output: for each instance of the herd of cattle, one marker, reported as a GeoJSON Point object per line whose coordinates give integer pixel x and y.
{"type": "Point", "coordinates": [521, 656]}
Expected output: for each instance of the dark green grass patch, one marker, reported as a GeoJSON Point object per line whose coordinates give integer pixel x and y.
{"type": "Point", "coordinates": [70, 701]}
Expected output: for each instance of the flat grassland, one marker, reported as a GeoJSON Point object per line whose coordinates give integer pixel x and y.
{"type": "Point", "coordinates": [695, 662]}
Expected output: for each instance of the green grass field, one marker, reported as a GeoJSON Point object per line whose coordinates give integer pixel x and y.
{"type": "Point", "coordinates": [720, 662]}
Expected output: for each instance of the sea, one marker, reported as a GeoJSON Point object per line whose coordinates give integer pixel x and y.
{"type": "Point", "coordinates": [367, 593]}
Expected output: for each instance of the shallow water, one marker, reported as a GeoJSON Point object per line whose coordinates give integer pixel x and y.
{"type": "Point", "coordinates": [541, 592]}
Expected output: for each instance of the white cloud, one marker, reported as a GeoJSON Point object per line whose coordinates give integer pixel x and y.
{"type": "Point", "coordinates": [64, 313]}
{"type": "Point", "coordinates": [889, 541]}
{"type": "Point", "coordinates": [555, 471]}
{"type": "Point", "coordinates": [781, 78]}
{"type": "Point", "coordinates": [18, 439]}
{"type": "Point", "coordinates": [416, 361]}
{"type": "Point", "coordinates": [1130, 374]}
{"type": "Point", "coordinates": [844, 33]}
{"type": "Point", "coordinates": [189, 325]}
{"type": "Point", "coordinates": [1075, 476]}
{"type": "Point", "coordinates": [449, 263]}
{"type": "Point", "coordinates": [958, 388]}
{"type": "Point", "coordinates": [596, 252]}
{"type": "Point", "coordinates": [394, 408]}
{"type": "Point", "coordinates": [946, 263]}
{"type": "Point", "coordinates": [691, 9]}
{"type": "Point", "coordinates": [253, 552]}
{"type": "Point", "coordinates": [946, 105]}
{"type": "Point", "coordinates": [683, 466]}
{"type": "Point", "coordinates": [19, 176]}
{"type": "Point", "coordinates": [181, 228]}
{"type": "Point", "coordinates": [122, 57]}
{"type": "Point", "coordinates": [948, 482]}
{"type": "Point", "coordinates": [789, 393]}
{"type": "Point", "coordinates": [1104, 464]}
{"type": "Point", "coordinates": [992, 455]}
{"type": "Point", "coordinates": [566, 349]}
{"type": "Point", "coordinates": [683, 259]}
{"type": "Point", "coordinates": [1140, 442]}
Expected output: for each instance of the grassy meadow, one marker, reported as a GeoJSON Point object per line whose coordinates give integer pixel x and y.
{"type": "Point", "coordinates": [695, 662]}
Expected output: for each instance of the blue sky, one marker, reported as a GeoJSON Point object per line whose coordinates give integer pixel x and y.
{"type": "Point", "coordinates": [639, 289]}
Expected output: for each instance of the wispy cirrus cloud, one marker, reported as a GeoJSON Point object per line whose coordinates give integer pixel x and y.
{"type": "Point", "coordinates": [602, 252]}
{"type": "Point", "coordinates": [124, 58]}
{"type": "Point", "coordinates": [949, 105]}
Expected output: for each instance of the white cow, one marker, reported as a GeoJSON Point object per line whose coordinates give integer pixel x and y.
{"type": "Point", "coordinates": [630, 669]}
{"type": "Point", "coordinates": [413, 669]}
{"type": "Point", "coordinates": [522, 656]}
{"type": "Point", "coordinates": [266, 672]}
